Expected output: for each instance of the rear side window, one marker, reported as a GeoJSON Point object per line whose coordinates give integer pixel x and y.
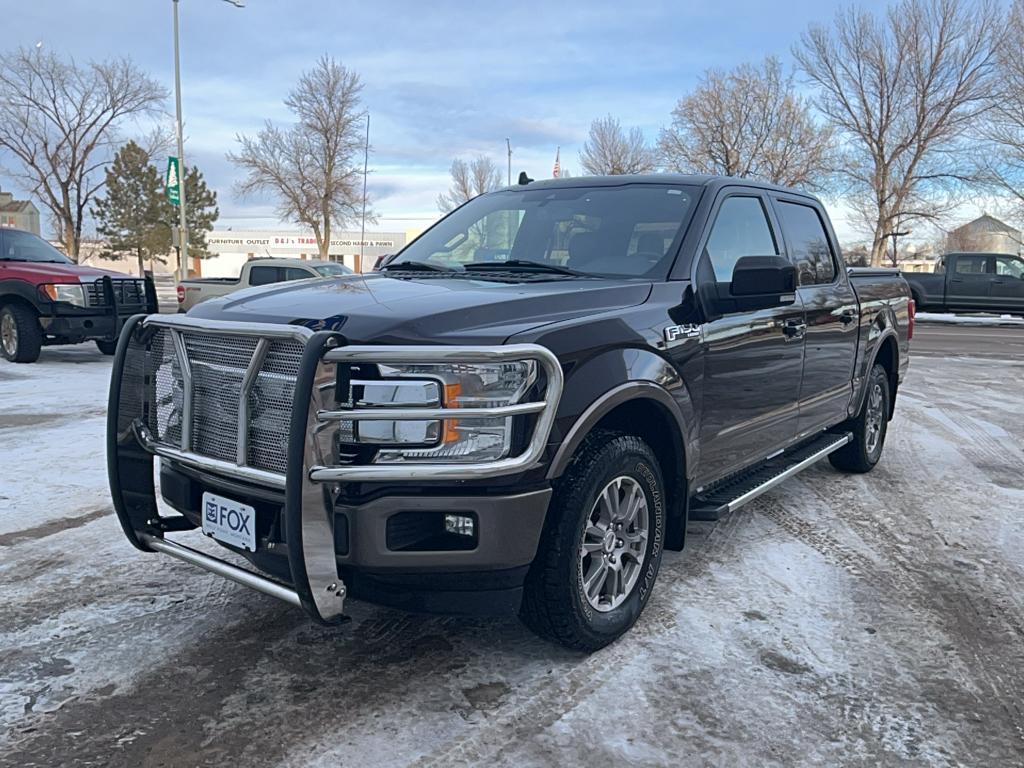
{"type": "Point", "coordinates": [808, 243]}
{"type": "Point", "coordinates": [1007, 266]}
{"type": "Point", "coordinates": [740, 229]}
{"type": "Point", "coordinates": [294, 273]}
{"type": "Point", "coordinates": [971, 265]}
{"type": "Point", "coordinates": [264, 275]}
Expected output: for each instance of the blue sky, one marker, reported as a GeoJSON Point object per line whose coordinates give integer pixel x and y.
{"type": "Point", "coordinates": [442, 79]}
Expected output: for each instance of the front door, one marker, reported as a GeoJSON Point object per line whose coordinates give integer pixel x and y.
{"type": "Point", "coordinates": [1007, 287]}
{"type": "Point", "coordinates": [969, 282]}
{"type": "Point", "coordinates": [831, 308]}
{"type": "Point", "coordinates": [752, 360]}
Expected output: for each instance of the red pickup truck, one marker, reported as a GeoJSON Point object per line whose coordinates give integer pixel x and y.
{"type": "Point", "coordinates": [45, 298]}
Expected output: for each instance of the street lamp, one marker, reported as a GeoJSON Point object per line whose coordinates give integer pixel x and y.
{"type": "Point", "coordinates": [183, 253]}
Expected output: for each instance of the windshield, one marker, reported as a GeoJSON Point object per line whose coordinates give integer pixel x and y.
{"type": "Point", "coordinates": [625, 231]}
{"type": "Point", "coordinates": [16, 245]}
{"type": "Point", "coordinates": [332, 270]}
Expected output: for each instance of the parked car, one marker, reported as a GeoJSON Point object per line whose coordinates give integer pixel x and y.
{"type": "Point", "coordinates": [255, 272]}
{"type": "Point", "coordinates": [458, 433]}
{"type": "Point", "coordinates": [45, 299]}
{"type": "Point", "coordinates": [971, 282]}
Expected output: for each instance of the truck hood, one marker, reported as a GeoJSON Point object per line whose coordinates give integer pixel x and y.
{"type": "Point", "coordinates": [374, 308]}
{"type": "Point", "coordinates": [44, 271]}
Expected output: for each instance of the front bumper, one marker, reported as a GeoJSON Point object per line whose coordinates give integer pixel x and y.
{"type": "Point", "coordinates": [102, 319]}
{"type": "Point", "coordinates": [318, 537]}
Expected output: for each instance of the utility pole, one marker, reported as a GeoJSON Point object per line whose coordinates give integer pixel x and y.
{"type": "Point", "coordinates": [366, 161]}
{"type": "Point", "coordinates": [182, 271]}
{"type": "Point", "coordinates": [508, 144]}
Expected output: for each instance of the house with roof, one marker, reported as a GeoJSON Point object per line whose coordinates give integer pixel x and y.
{"type": "Point", "coordinates": [18, 214]}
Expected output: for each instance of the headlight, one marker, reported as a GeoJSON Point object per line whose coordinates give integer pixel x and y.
{"type": "Point", "coordinates": [448, 385]}
{"type": "Point", "coordinates": [70, 293]}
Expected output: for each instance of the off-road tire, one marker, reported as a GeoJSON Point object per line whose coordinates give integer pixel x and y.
{"type": "Point", "coordinates": [106, 347]}
{"type": "Point", "coordinates": [554, 605]}
{"type": "Point", "coordinates": [856, 456]}
{"type": "Point", "coordinates": [29, 334]}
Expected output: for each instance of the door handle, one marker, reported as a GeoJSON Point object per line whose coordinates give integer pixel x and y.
{"type": "Point", "coordinates": [847, 317]}
{"type": "Point", "coordinates": [794, 329]}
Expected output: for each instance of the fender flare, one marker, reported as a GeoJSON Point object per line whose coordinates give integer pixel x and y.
{"type": "Point", "coordinates": [887, 333]}
{"type": "Point", "coordinates": [602, 406]}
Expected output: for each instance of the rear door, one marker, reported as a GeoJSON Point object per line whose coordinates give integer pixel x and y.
{"type": "Point", "coordinates": [969, 281]}
{"type": "Point", "coordinates": [752, 360]}
{"type": "Point", "coordinates": [1007, 287]}
{"type": "Point", "coordinates": [830, 309]}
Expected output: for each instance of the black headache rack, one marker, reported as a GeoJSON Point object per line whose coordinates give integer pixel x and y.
{"type": "Point", "coordinates": [279, 378]}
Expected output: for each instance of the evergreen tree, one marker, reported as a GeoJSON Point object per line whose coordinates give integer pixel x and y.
{"type": "Point", "coordinates": [201, 212]}
{"type": "Point", "coordinates": [133, 216]}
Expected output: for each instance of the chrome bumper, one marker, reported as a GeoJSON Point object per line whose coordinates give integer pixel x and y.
{"type": "Point", "coordinates": [311, 481]}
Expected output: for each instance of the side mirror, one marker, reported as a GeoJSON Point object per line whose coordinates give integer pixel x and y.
{"type": "Point", "coordinates": [763, 276]}
{"type": "Point", "coordinates": [759, 282]}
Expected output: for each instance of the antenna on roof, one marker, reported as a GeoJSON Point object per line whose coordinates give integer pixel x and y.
{"type": "Point", "coordinates": [524, 179]}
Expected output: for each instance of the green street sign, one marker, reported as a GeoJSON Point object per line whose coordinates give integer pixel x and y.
{"type": "Point", "coordinates": [171, 186]}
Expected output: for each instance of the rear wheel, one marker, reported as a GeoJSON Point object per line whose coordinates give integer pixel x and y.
{"type": "Point", "coordinates": [869, 427]}
{"type": "Point", "coordinates": [106, 347]}
{"type": "Point", "coordinates": [21, 338]}
{"type": "Point", "coordinates": [602, 545]}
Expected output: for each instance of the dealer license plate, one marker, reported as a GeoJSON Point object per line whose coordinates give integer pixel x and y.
{"type": "Point", "coordinates": [229, 521]}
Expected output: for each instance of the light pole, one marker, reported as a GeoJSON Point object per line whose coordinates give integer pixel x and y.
{"type": "Point", "coordinates": [508, 144]}
{"type": "Point", "coordinates": [182, 173]}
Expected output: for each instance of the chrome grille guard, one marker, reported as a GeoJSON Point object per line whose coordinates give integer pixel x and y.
{"type": "Point", "coordinates": [311, 479]}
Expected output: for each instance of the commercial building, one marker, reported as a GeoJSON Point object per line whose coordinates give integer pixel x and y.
{"type": "Point", "coordinates": [232, 248]}
{"type": "Point", "coordinates": [18, 214]}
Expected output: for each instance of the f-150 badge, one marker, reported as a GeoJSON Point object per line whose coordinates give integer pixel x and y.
{"type": "Point", "coordinates": [675, 334]}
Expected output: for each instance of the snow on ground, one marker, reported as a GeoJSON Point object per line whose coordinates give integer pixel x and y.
{"type": "Point", "coordinates": [951, 319]}
{"type": "Point", "coordinates": [875, 619]}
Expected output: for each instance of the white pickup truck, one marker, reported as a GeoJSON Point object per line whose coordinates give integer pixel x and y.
{"type": "Point", "coordinates": [255, 272]}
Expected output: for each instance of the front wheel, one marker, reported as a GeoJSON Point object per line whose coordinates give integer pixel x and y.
{"type": "Point", "coordinates": [21, 338]}
{"type": "Point", "coordinates": [869, 427]}
{"type": "Point", "coordinates": [106, 347]}
{"type": "Point", "coordinates": [602, 545]}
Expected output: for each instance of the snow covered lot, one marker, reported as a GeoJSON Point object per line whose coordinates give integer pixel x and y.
{"type": "Point", "coordinates": [836, 620]}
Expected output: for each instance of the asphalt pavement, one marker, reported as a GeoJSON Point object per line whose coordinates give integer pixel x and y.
{"type": "Point", "coordinates": [1004, 342]}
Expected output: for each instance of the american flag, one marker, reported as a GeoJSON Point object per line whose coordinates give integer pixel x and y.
{"type": "Point", "coordinates": [557, 170]}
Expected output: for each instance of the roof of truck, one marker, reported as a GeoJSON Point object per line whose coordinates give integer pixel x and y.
{"type": "Point", "coordinates": [697, 180]}
{"type": "Point", "coordinates": [286, 262]}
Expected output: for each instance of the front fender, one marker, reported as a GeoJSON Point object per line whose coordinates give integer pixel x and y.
{"type": "Point", "coordinates": [598, 385]}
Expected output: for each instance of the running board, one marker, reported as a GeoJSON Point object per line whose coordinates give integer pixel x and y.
{"type": "Point", "coordinates": [732, 495]}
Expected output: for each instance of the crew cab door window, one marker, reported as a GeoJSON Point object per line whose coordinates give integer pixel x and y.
{"type": "Point", "coordinates": [971, 265]}
{"type": "Point", "coordinates": [294, 273]}
{"type": "Point", "coordinates": [264, 275]}
{"type": "Point", "coordinates": [1008, 266]}
{"type": "Point", "coordinates": [740, 229]}
{"type": "Point", "coordinates": [807, 243]}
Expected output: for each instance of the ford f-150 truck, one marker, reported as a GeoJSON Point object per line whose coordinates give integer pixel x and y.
{"type": "Point", "coordinates": [970, 282]}
{"type": "Point", "coordinates": [45, 298]}
{"type": "Point", "coordinates": [255, 272]}
{"type": "Point", "coordinates": [521, 410]}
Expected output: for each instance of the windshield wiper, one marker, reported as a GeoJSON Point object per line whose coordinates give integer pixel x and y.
{"type": "Point", "coordinates": [520, 265]}
{"type": "Point", "coordinates": [414, 265]}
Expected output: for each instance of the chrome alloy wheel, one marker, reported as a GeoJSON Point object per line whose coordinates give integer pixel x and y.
{"type": "Point", "coordinates": [873, 420]}
{"type": "Point", "coordinates": [9, 334]}
{"type": "Point", "coordinates": [614, 544]}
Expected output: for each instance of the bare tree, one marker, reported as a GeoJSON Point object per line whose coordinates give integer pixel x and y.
{"type": "Point", "coordinates": [1005, 128]}
{"type": "Point", "coordinates": [314, 167]}
{"type": "Point", "coordinates": [748, 122]}
{"type": "Point", "coordinates": [59, 124]}
{"type": "Point", "coordinates": [470, 179]}
{"type": "Point", "coordinates": [904, 91]}
{"type": "Point", "coordinates": [610, 151]}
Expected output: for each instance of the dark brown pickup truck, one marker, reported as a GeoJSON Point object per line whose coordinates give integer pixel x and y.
{"type": "Point", "coordinates": [521, 410]}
